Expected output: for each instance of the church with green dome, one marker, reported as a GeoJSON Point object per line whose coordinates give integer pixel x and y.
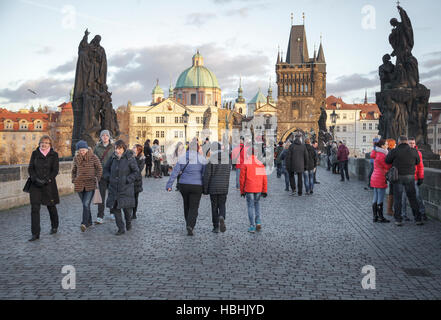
{"type": "Point", "coordinates": [197, 85]}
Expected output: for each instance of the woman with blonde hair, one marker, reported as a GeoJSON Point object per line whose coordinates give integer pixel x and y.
{"type": "Point", "coordinates": [43, 168]}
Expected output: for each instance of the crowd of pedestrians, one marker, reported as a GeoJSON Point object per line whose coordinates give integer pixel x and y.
{"type": "Point", "coordinates": [110, 176]}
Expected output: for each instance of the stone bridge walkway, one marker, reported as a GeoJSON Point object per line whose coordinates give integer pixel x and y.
{"type": "Point", "coordinates": [311, 247]}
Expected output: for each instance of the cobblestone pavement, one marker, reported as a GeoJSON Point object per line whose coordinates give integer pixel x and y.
{"type": "Point", "coordinates": [310, 247]}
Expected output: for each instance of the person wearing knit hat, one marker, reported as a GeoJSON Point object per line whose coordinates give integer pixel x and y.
{"type": "Point", "coordinates": [86, 172]}
{"type": "Point", "coordinates": [103, 150]}
{"type": "Point", "coordinates": [82, 145]}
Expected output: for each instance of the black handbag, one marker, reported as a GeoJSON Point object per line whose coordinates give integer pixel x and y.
{"type": "Point", "coordinates": [392, 175]}
{"type": "Point", "coordinates": [27, 186]}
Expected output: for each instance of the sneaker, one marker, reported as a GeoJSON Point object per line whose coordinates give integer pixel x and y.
{"type": "Point", "coordinates": [419, 223]}
{"type": "Point", "coordinates": [223, 228]}
{"type": "Point", "coordinates": [112, 217]}
{"type": "Point", "coordinates": [83, 227]}
{"type": "Point", "coordinates": [120, 232]}
{"type": "Point", "coordinates": [99, 221]}
{"type": "Point", "coordinates": [189, 231]}
{"type": "Point", "coordinates": [215, 230]}
{"type": "Point", "coordinates": [258, 225]}
{"type": "Point", "coordinates": [252, 229]}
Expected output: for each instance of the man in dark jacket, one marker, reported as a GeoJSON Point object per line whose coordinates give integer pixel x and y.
{"type": "Point", "coordinates": [296, 162]}
{"type": "Point", "coordinates": [277, 151]}
{"type": "Point", "coordinates": [308, 174]}
{"type": "Point", "coordinates": [316, 163]}
{"type": "Point", "coordinates": [404, 158]}
{"type": "Point", "coordinates": [343, 159]}
{"type": "Point", "coordinates": [103, 150]}
{"type": "Point", "coordinates": [215, 183]}
{"type": "Point", "coordinates": [328, 154]}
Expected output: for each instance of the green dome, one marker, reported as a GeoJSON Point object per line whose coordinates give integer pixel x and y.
{"type": "Point", "coordinates": [197, 76]}
{"type": "Point", "coordinates": [157, 90]}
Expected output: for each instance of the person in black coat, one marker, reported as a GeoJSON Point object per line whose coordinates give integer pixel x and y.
{"type": "Point", "coordinates": [296, 162]}
{"type": "Point", "coordinates": [148, 159]}
{"type": "Point", "coordinates": [140, 161]}
{"type": "Point", "coordinates": [43, 168]}
{"type": "Point", "coordinates": [308, 174]}
{"type": "Point", "coordinates": [215, 183]}
{"type": "Point", "coordinates": [121, 171]}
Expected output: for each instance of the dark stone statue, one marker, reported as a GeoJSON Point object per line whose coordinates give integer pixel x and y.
{"type": "Point", "coordinates": [206, 119]}
{"type": "Point", "coordinates": [92, 102]}
{"type": "Point", "coordinates": [403, 101]}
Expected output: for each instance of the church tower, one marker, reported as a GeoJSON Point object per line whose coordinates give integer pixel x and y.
{"type": "Point", "coordinates": [301, 86]}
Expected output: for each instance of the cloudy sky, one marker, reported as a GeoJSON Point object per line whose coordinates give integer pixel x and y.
{"type": "Point", "coordinates": [147, 40]}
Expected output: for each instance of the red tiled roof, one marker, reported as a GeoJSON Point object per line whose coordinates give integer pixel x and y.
{"type": "Point", "coordinates": [17, 116]}
{"type": "Point", "coordinates": [435, 116]}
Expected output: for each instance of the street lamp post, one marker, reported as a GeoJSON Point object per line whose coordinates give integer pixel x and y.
{"type": "Point", "coordinates": [185, 117]}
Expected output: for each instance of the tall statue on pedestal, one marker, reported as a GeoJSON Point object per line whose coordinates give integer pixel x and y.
{"type": "Point", "coordinates": [91, 101]}
{"type": "Point", "coordinates": [403, 101]}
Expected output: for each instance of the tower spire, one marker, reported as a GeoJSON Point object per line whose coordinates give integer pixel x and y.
{"type": "Point", "coordinates": [292, 19]}
{"type": "Point", "coordinates": [303, 14]}
{"type": "Point", "coordinates": [365, 97]}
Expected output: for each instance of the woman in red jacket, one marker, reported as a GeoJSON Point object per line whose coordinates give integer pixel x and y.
{"type": "Point", "coordinates": [253, 185]}
{"type": "Point", "coordinates": [378, 179]}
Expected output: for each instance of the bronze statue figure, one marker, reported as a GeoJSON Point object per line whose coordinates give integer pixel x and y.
{"type": "Point", "coordinates": [92, 102]}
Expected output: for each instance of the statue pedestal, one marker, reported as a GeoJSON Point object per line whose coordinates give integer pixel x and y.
{"type": "Point", "coordinates": [404, 111]}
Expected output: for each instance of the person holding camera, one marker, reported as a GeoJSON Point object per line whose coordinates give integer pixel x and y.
{"type": "Point", "coordinates": [43, 168]}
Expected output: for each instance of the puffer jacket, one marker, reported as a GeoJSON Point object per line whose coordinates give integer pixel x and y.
{"type": "Point", "coordinates": [378, 178]}
{"type": "Point", "coordinates": [216, 175]}
{"type": "Point", "coordinates": [121, 174]}
{"type": "Point", "coordinates": [297, 157]}
{"type": "Point", "coordinates": [253, 177]}
{"type": "Point", "coordinates": [419, 168]}
{"type": "Point", "coordinates": [86, 171]}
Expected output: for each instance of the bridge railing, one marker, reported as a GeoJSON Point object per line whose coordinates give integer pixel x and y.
{"type": "Point", "coordinates": [13, 179]}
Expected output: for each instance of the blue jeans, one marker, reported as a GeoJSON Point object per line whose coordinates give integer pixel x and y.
{"type": "Point", "coordinates": [253, 208]}
{"type": "Point", "coordinates": [379, 195]}
{"type": "Point", "coordinates": [420, 202]}
{"type": "Point", "coordinates": [279, 169]}
{"type": "Point", "coordinates": [406, 183]}
{"type": "Point", "coordinates": [308, 180]}
{"type": "Point", "coordinates": [237, 178]}
{"type": "Point", "coordinates": [286, 174]}
{"type": "Point", "coordinates": [86, 199]}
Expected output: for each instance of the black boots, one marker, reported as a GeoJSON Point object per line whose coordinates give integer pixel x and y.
{"type": "Point", "coordinates": [34, 237]}
{"type": "Point", "coordinates": [375, 210]}
{"type": "Point", "coordinates": [380, 214]}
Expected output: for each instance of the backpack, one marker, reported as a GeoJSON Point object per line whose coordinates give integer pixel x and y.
{"type": "Point", "coordinates": [156, 155]}
{"type": "Point", "coordinates": [392, 175]}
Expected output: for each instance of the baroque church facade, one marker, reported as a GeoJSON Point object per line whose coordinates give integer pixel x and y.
{"type": "Point", "coordinates": [301, 86]}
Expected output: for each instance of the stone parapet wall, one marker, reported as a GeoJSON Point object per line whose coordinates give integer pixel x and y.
{"type": "Point", "coordinates": [13, 179]}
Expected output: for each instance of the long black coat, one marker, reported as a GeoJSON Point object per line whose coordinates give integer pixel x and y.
{"type": "Point", "coordinates": [43, 170]}
{"type": "Point", "coordinates": [312, 157]}
{"type": "Point", "coordinates": [216, 176]}
{"type": "Point", "coordinates": [121, 175]}
{"type": "Point", "coordinates": [140, 161]}
{"type": "Point", "coordinates": [297, 157]}
{"type": "Point", "coordinates": [148, 154]}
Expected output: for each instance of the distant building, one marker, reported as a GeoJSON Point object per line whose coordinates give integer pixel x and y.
{"type": "Point", "coordinates": [356, 124]}
{"type": "Point", "coordinates": [197, 92]}
{"type": "Point", "coordinates": [301, 86]}
{"type": "Point", "coordinates": [434, 127]}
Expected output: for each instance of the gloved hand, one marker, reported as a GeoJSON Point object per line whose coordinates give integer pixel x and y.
{"type": "Point", "coordinates": [242, 195]}
{"type": "Point", "coordinates": [264, 194]}
{"type": "Point", "coordinates": [420, 182]}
